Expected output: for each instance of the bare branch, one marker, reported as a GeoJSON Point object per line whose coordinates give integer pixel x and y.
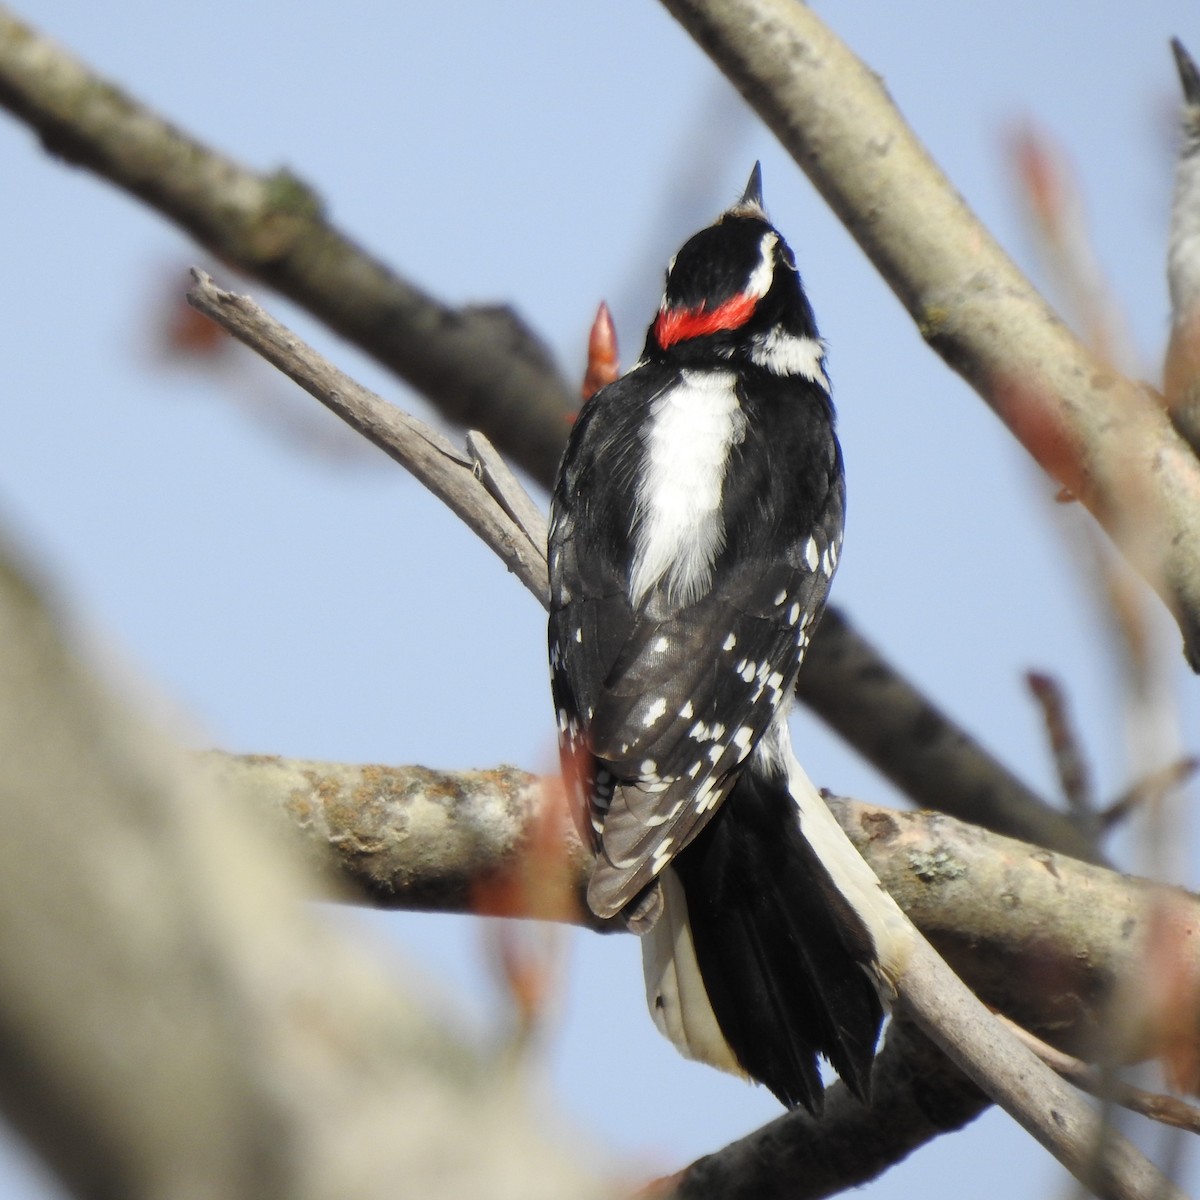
{"type": "Point", "coordinates": [1100, 435]}
{"type": "Point", "coordinates": [447, 471]}
{"type": "Point", "coordinates": [505, 488]}
{"type": "Point", "coordinates": [916, 1095]}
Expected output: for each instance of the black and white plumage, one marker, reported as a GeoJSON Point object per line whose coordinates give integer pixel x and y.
{"type": "Point", "coordinates": [695, 529]}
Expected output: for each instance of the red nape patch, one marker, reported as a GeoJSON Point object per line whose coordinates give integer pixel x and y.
{"type": "Point", "coordinates": [678, 324]}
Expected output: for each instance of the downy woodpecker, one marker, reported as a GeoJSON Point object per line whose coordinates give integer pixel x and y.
{"type": "Point", "coordinates": [694, 530]}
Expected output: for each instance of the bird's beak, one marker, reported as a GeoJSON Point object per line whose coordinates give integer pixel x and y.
{"type": "Point", "coordinates": [752, 196]}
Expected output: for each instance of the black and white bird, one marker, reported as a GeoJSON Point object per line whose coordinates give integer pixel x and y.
{"type": "Point", "coordinates": [694, 531]}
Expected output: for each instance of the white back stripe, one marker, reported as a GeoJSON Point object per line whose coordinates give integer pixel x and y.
{"type": "Point", "coordinates": [679, 529]}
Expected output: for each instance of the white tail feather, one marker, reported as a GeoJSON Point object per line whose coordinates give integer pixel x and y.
{"type": "Point", "coordinates": [675, 992]}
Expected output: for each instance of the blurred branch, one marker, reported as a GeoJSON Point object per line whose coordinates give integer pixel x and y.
{"type": "Point", "coordinates": [481, 367]}
{"type": "Point", "coordinates": [1070, 762]}
{"type": "Point", "coordinates": [174, 1021]}
{"type": "Point", "coordinates": [1166, 1110]}
{"type": "Point", "coordinates": [1181, 371]}
{"type": "Point", "coordinates": [1039, 936]}
{"type": "Point", "coordinates": [1097, 433]}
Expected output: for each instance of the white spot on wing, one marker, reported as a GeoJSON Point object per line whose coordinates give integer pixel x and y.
{"type": "Point", "coordinates": [656, 710]}
{"type": "Point", "coordinates": [811, 555]}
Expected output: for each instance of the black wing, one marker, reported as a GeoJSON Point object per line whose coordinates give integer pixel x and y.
{"type": "Point", "coordinates": [669, 700]}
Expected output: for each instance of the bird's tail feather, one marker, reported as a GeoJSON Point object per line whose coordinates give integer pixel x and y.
{"type": "Point", "coordinates": [788, 959]}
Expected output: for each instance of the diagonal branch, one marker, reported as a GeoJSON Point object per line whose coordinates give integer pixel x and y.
{"type": "Point", "coordinates": [1099, 434]}
{"type": "Point", "coordinates": [444, 469]}
{"type": "Point", "coordinates": [480, 366]}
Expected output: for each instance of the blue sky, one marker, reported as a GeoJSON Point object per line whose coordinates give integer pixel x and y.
{"type": "Point", "coordinates": [283, 592]}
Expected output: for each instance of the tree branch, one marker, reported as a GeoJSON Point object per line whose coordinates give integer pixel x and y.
{"type": "Point", "coordinates": [1100, 435]}
{"type": "Point", "coordinates": [480, 366]}
{"type": "Point", "coordinates": [1041, 937]}
{"type": "Point", "coordinates": [916, 1095]}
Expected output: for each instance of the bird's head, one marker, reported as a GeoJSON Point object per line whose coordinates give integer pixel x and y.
{"type": "Point", "coordinates": [733, 294]}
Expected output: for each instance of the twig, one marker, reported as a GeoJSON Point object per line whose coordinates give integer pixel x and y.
{"type": "Point", "coordinates": [447, 471]}
{"type": "Point", "coordinates": [1167, 1110]}
{"type": "Point", "coordinates": [1068, 755]}
{"type": "Point", "coordinates": [1095, 432]}
{"type": "Point", "coordinates": [505, 488]}
{"type": "Point", "coordinates": [1153, 787]}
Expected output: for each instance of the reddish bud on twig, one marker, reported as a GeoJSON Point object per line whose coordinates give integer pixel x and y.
{"type": "Point", "coordinates": [602, 366]}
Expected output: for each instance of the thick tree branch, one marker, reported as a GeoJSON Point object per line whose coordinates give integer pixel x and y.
{"type": "Point", "coordinates": [174, 1021]}
{"type": "Point", "coordinates": [1100, 435]}
{"type": "Point", "coordinates": [916, 1095]}
{"type": "Point", "coordinates": [1039, 936]}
